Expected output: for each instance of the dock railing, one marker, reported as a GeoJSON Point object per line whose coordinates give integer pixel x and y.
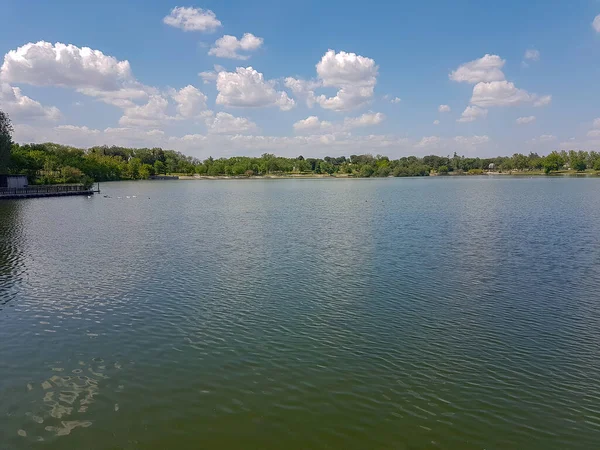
{"type": "Point", "coordinates": [50, 189]}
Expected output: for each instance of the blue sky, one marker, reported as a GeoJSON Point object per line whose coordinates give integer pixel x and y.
{"type": "Point", "coordinates": [314, 78]}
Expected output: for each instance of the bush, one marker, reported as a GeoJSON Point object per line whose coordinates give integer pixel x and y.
{"type": "Point", "coordinates": [443, 170]}
{"type": "Point", "coordinates": [475, 172]}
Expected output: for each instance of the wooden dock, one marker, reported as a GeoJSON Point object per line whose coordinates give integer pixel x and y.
{"type": "Point", "coordinates": [59, 190]}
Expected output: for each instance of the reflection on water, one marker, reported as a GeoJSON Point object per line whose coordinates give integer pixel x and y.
{"type": "Point", "coordinates": [11, 239]}
{"type": "Point", "coordinates": [415, 313]}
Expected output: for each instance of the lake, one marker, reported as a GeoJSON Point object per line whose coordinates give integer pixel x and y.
{"type": "Point", "coordinates": [450, 313]}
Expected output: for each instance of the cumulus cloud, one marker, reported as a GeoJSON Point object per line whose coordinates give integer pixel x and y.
{"type": "Point", "coordinates": [190, 101]}
{"type": "Point", "coordinates": [444, 108]}
{"type": "Point", "coordinates": [499, 93]}
{"type": "Point", "coordinates": [46, 64]}
{"type": "Point", "coordinates": [596, 23]}
{"type": "Point", "coordinates": [353, 75]}
{"type": "Point", "coordinates": [192, 19]}
{"type": "Point", "coordinates": [23, 108]}
{"type": "Point", "coordinates": [230, 46]}
{"type": "Point", "coordinates": [525, 120]}
{"type": "Point", "coordinates": [436, 122]}
{"type": "Point", "coordinates": [491, 88]}
{"type": "Point", "coordinates": [224, 123]}
{"type": "Point", "coordinates": [472, 113]}
{"type": "Point", "coordinates": [366, 120]}
{"type": "Point", "coordinates": [396, 100]}
{"type": "Point", "coordinates": [486, 69]}
{"type": "Point", "coordinates": [312, 123]}
{"type": "Point", "coordinates": [152, 114]}
{"type": "Point", "coordinates": [88, 71]}
{"type": "Point", "coordinates": [247, 88]}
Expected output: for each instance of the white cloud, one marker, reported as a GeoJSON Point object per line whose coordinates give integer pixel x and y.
{"type": "Point", "coordinates": [596, 23]}
{"type": "Point", "coordinates": [77, 129]}
{"type": "Point", "coordinates": [210, 76]}
{"type": "Point", "coordinates": [471, 141]}
{"type": "Point", "coordinates": [224, 123]}
{"type": "Point", "coordinates": [347, 69]}
{"type": "Point", "coordinates": [396, 100]}
{"type": "Point", "coordinates": [597, 123]}
{"type": "Point", "coordinates": [303, 89]}
{"type": "Point", "coordinates": [593, 133]}
{"type": "Point", "coordinates": [229, 46]}
{"type": "Point", "coordinates": [444, 108]}
{"type": "Point", "coordinates": [525, 120]}
{"type": "Point", "coordinates": [532, 55]}
{"type": "Point", "coordinates": [312, 123]}
{"type": "Point", "coordinates": [353, 75]}
{"type": "Point", "coordinates": [152, 114]}
{"type": "Point", "coordinates": [45, 64]}
{"type": "Point", "coordinates": [202, 146]}
{"type": "Point", "coordinates": [190, 101]}
{"type": "Point", "coordinates": [247, 88]}
{"type": "Point", "coordinates": [436, 122]}
{"type": "Point", "coordinates": [472, 113]}
{"type": "Point", "coordinates": [499, 93]}
{"type": "Point", "coordinates": [543, 101]}
{"type": "Point", "coordinates": [23, 108]}
{"type": "Point", "coordinates": [88, 71]}
{"type": "Point", "coordinates": [192, 19]}
{"type": "Point", "coordinates": [491, 88]}
{"type": "Point", "coordinates": [367, 119]}
{"type": "Point", "coordinates": [486, 69]}
{"type": "Point", "coordinates": [428, 141]}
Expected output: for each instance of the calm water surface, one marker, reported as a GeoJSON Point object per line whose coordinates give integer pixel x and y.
{"type": "Point", "coordinates": [339, 314]}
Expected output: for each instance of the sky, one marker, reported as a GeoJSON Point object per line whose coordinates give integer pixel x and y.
{"type": "Point", "coordinates": [313, 78]}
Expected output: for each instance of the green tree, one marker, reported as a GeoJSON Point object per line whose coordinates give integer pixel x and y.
{"type": "Point", "coordinates": [519, 161]}
{"type": "Point", "coordinates": [578, 164]}
{"type": "Point", "coordinates": [159, 167]}
{"type": "Point", "coordinates": [71, 175]}
{"type": "Point", "coordinates": [553, 162]}
{"type": "Point", "coordinates": [145, 171]}
{"type": "Point", "coordinates": [6, 130]}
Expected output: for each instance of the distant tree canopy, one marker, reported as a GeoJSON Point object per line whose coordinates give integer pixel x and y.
{"type": "Point", "coordinates": [6, 130]}
{"type": "Point", "coordinates": [54, 163]}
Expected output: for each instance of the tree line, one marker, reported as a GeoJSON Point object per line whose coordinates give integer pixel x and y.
{"type": "Point", "coordinates": [51, 163]}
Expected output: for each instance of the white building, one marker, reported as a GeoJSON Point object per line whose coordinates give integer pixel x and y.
{"type": "Point", "coordinates": [13, 181]}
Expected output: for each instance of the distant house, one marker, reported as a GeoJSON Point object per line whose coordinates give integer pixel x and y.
{"type": "Point", "coordinates": [13, 181]}
{"type": "Point", "coordinates": [492, 166]}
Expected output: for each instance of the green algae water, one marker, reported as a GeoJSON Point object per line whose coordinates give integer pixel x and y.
{"type": "Point", "coordinates": [442, 313]}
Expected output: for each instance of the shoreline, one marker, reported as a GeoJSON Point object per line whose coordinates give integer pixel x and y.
{"type": "Point", "coordinates": [348, 177]}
